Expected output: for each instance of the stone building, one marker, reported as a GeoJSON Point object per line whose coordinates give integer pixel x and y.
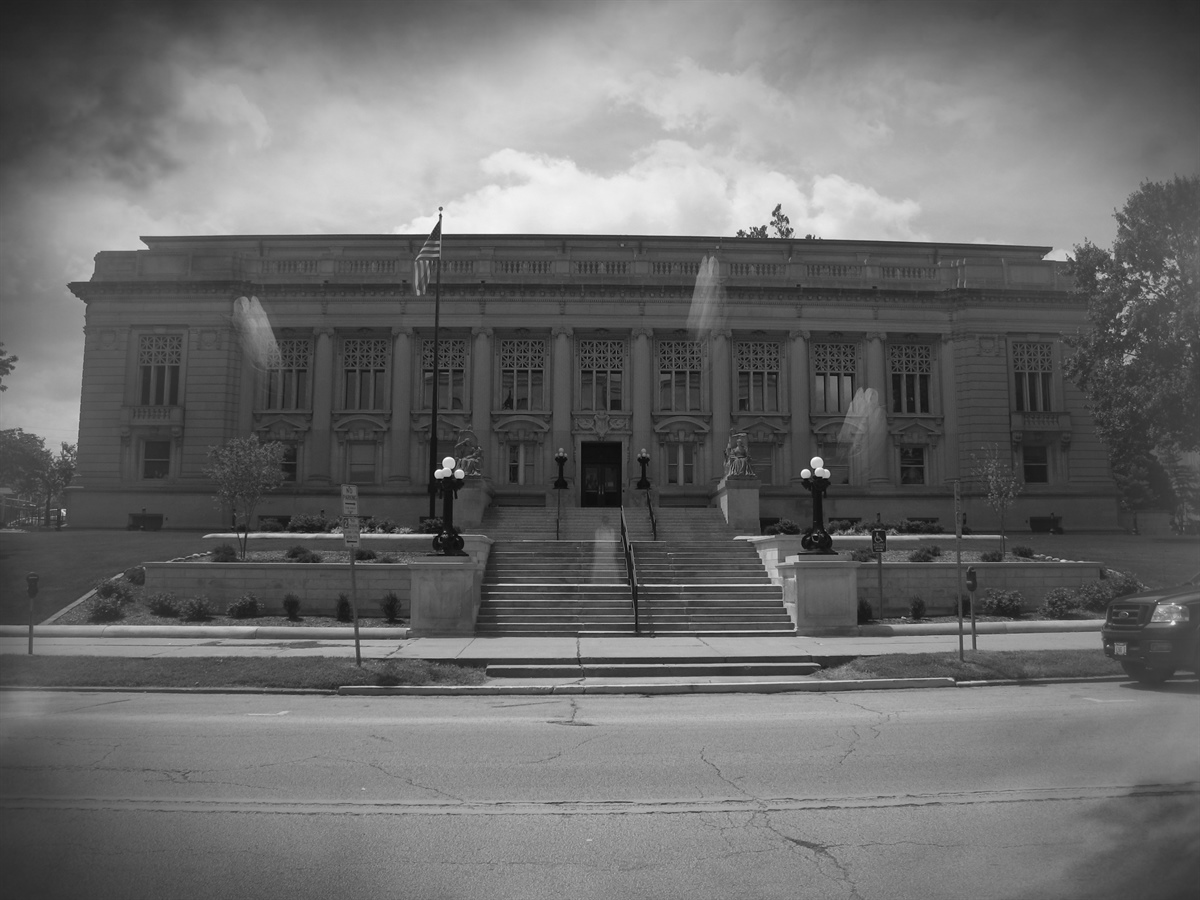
{"type": "Point", "coordinates": [896, 362]}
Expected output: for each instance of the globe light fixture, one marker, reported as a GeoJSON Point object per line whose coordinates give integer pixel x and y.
{"type": "Point", "coordinates": [449, 479]}
{"type": "Point", "coordinates": [816, 480]}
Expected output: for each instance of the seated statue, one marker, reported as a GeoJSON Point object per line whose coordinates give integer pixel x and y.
{"type": "Point", "coordinates": [737, 455]}
{"type": "Point", "coordinates": [468, 453]}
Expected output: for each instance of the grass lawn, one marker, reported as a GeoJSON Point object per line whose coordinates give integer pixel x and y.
{"type": "Point", "coordinates": [309, 673]}
{"type": "Point", "coordinates": [978, 665]}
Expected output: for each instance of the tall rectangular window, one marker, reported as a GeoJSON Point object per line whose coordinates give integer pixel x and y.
{"type": "Point", "coordinates": [601, 372]}
{"type": "Point", "coordinates": [360, 462]}
{"type": "Point", "coordinates": [912, 465]}
{"type": "Point", "coordinates": [290, 464]}
{"type": "Point", "coordinates": [364, 369]}
{"type": "Point", "coordinates": [522, 374]}
{"type": "Point", "coordinates": [757, 365]}
{"type": "Point", "coordinates": [452, 374]}
{"type": "Point", "coordinates": [520, 463]}
{"type": "Point", "coordinates": [156, 459]}
{"type": "Point", "coordinates": [681, 463]}
{"type": "Point", "coordinates": [1033, 372]}
{"type": "Point", "coordinates": [159, 359]}
{"type": "Point", "coordinates": [912, 368]}
{"type": "Point", "coordinates": [1035, 462]}
{"type": "Point", "coordinates": [287, 374]}
{"type": "Point", "coordinates": [679, 367]}
{"type": "Point", "coordinates": [834, 367]}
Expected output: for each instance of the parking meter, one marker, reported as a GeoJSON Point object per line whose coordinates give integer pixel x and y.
{"type": "Point", "coordinates": [31, 584]}
{"type": "Point", "coordinates": [972, 580]}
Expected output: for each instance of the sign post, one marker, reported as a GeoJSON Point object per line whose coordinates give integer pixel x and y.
{"type": "Point", "coordinates": [350, 534]}
{"type": "Point", "coordinates": [958, 562]}
{"type": "Point", "coordinates": [879, 545]}
{"type": "Point", "coordinates": [31, 586]}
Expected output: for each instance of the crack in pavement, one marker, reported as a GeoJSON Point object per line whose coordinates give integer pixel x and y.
{"type": "Point", "coordinates": [823, 853]}
{"type": "Point", "coordinates": [874, 729]}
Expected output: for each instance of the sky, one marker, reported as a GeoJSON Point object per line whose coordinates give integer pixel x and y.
{"type": "Point", "coordinates": [1005, 122]}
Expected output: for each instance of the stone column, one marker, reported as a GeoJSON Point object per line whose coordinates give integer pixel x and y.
{"type": "Point", "coordinates": [400, 437]}
{"type": "Point", "coordinates": [641, 390]}
{"type": "Point", "coordinates": [322, 421]}
{"type": "Point", "coordinates": [562, 379]}
{"type": "Point", "coordinates": [722, 403]}
{"type": "Point", "coordinates": [800, 395]}
{"type": "Point", "coordinates": [878, 444]}
{"type": "Point", "coordinates": [481, 397]}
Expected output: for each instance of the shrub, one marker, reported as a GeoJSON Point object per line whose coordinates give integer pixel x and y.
{"type": "Point", "coordinates": [432, 525]}
{"type": "Point", "coordinates": [914, 526]}
{"type": "Point", "coordinates": [291, 606]}
{"type": "Point", "coordinates": [1121, 583]}
{"type": "Point", "coordinates": [308, 524]}
{"type": "Point", "coordinates": [1023, 552]}
{"type": "Point", "coordinates": [223, 553]}
{"type": "Point", "coordinates": [991, 556]}
{"type": "Point", "coordinates": [164, 605]}
{"type": "Point", "coordinates": [865, 612]}
{"type": "Point", "coordinates": [106, 609]}
{"type": "Point", "coordinates": [361, 553]}
{"type": "Point", "coordinates": [270, 525]}
{"type": "Point", "coordinates": [136, 575]}
{"type": "Point", "coordinates": [388, 558]}
{"type": "Point", "coordinates": [116, 590]}
{"type": "Point", "coordinates": [1059, 603]}
{"type": "Point", "coordinates": [244, 607]}
{"type": "Point", "coordinates": [924, 554]}
{"type": "Point", "coordinates": [302, 554]}
{"type": "Point", "coordinates": [862, 556]}
{"type": "Point", "coordinates": [390, 604]}
{"type": "Point", "coordinates": [345, 612]}
{"type": "Point", "coordinates": [1001, 603]}
{"type": "Point", "coordinates": [1094, 595]}
{"type": "Point", "coordinates": [195, 609]}
{"type": "Point", "coordinates": [783, 526]}
{"type": "Point", "coordinates": [916, 608]}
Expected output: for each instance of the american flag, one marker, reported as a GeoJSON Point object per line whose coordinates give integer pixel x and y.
{"type": "Point", "coordinates": [426, 259]}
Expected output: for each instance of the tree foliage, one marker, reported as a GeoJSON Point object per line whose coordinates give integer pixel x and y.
{"type": "Point", "coordinates": [244, 470]}
{"type": "Point", "coordinates": [999, 483]}
{"type": "Point", "coordinates": [1139, 363]}
{"type": "Point", "coordinates": [7, 361]}
{"type": "Point", "coordinates": [779, 223]}
{"type": "Point", "coordinates": [31, 470]}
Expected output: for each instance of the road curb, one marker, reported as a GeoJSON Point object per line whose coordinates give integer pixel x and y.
{"type": "Point", "coordinates": [676, 687]}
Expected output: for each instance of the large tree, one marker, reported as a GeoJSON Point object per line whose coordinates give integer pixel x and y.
{"type": "Point", "coordinates": [7, 361]}
{"type": "Point", "coordinates": [1139, 363]}
{"type": "Point", "coordinates": [31, 470]}
{"type": "Point", "coordinates": [244, 470]}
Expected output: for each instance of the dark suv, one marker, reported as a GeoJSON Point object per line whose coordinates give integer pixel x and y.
{"type": "Point", "coordinates": [1155, 633]}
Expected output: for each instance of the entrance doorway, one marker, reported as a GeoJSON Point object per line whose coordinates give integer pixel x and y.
{"type": "Point", "coordinates": [600, 471]}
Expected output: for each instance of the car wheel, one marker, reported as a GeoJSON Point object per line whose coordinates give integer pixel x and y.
{"type": "Point", "coordinates": [1145, 675]}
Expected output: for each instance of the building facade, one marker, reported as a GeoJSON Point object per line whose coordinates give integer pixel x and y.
{"type": "Point", "coordinates": [898, 363]}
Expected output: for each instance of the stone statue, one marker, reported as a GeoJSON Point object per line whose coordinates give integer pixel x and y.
{"type": "Point", "coordinates": [468, 453]}
{"type": "Point", "coordinates": [737, 455]}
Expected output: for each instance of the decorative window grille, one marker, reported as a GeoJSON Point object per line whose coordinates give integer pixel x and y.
{"type": "Point", "coordinates": [912, 465]}
{"type": "Point", "coordinates": [834, 373]}
{"type": "Point", "coordinates": [757, 364]}
{"type": "Point", "coordinates": [912, 368]}
{"type": "Point", "coordinates": [681, 463]}
{"type": "Point", "coordinates": [1035, 463]}
{"type": "Point", "coordinates": [156, 459]}
{"type": "Point", "coordinates": [601, 369]}
{"type": "Point", "coordinates": [523, 374]}
{"type": "Point", "coordinates": [1033, 373]}
{"type": "Point", "coordinates": [364, 364]}
{"type": "Point", "coordinates": [520, 463]}
{"type": "Point", "coordinates": [679, 367]}
{"type": "Point", "coordinates": [452, 374]}
{"type": "Point", "coordinates": [287, 374]}
{"type": "Point", "coordinates": [159, 359]}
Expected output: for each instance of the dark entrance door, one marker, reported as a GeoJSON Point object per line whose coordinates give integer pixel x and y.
{"type": "Point", "coordinates": [600, 467]}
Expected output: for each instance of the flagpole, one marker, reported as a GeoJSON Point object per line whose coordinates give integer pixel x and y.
{"type": "Point", "coordinates": [434, 462]}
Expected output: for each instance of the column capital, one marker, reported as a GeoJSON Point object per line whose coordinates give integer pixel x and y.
{"type": "Point", "coordinates": [876, 335]}
{"type": "Point", "coordinates": [324, 332]}
{"type": "Point", "coordinates": [726, 333]}
{"type": "Point", "coordinates": [402, 331]}
{"type": "Point", "coordinates": [562, 331]}
{"type": "Point", "coordinates": [482, 330]}
{"type": "Point", "coordinates": [643, 331]}
{"type": "Point", "coordinates": [799, 334]}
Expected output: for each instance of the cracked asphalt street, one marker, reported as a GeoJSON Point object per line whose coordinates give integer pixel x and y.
{"type": "Point", "coordinates": [1057, 791]}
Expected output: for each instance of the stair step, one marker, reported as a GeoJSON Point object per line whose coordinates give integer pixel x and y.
{"type": "Point", "coordinates": [650, 669]}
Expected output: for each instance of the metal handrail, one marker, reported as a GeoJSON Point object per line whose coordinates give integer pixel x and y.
{"type": "Point", "coordinates": [653, 520]}
{"type": "Point", "coordinates": [630, 569]}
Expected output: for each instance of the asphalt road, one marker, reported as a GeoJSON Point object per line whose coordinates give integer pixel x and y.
{"type": "Point", "coordinates": [1086, 790]}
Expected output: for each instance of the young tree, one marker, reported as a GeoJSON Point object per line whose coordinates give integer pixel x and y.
{"type": "Point", "coordinates": [244, 469]}
{"type": "Point", "coordinates": [1139, 364]}
{"type": "Point", "coordinates": [780, 224]}
{"type": "Point", "coordinates": [999, 483]}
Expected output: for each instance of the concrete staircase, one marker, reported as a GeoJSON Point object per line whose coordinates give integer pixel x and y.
{"type": "Point", "coordinates": [698, 581]}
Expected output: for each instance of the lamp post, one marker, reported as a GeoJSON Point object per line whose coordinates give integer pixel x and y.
{"type": "Point", "coordinates": [643, 459]}
{"type": "Point", "coordinates": [816, 480]}
{"type": "Point", "coordinates": [449, 479]}
{"type": "Point", "coordinates": [560, 485]}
